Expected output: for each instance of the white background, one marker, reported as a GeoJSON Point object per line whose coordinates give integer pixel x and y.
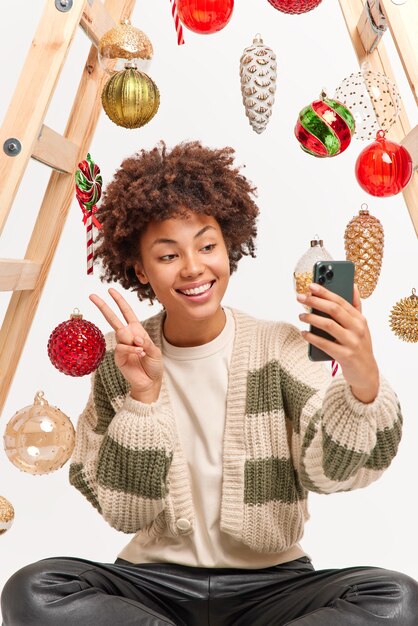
{"type": "Point", "coordinates": [299, 196]}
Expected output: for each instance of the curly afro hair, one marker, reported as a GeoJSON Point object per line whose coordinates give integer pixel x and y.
{"type": "Point", "coordinates": [159, 184]}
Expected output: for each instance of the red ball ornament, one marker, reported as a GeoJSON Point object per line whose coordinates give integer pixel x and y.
{"type": "Point", "coordinates": [384, 167]}
{"type": "Point", "coordinates": [295, 6]}
{"type": "Point", "coordinates": [205, 16]}
{"type": "Point", "coordinates": [76, 347]}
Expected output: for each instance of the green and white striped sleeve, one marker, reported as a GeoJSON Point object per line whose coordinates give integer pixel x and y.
{"type": "Point", "coordinates": [123, 453]}
{"type": "Point", "coordinates": [338, 442]}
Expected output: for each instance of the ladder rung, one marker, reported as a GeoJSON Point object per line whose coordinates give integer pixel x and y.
{"type": "Point", "coordinates": [56, 151]}
{"type": "Point", "coordinates": [96, 21]}
{"type": "Point", "coordinates": [18, 274]}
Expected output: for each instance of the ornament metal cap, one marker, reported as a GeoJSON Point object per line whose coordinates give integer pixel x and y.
{"type": "Point", "coordinates": [76, 315]}
{"type": "Point", "coordinates": [258, 38]}
{"type": "Point", "coordinates": [40, 398]}
{"type": "Point", "coordinates": [364, 209]}
{"type": "Point", "coordinates": [316, 242]}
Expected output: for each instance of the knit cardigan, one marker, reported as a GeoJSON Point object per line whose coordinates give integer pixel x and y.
{"type": "Point", "coordinates": [288, 430]}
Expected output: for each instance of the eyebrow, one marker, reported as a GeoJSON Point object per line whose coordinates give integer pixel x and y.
{"type": "Point", "coordinates": [199, 234]}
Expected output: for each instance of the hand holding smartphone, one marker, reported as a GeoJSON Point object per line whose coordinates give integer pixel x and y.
{"type": "Point", "coordinates": [338, 277]}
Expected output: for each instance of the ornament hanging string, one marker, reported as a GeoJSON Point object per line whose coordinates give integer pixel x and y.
{"type": "Point", "coordinates": [88, 192]}
{"type": "Point", "coordinates": [177, 23]}
{"type": "Point", "coordinates": [334, 368]}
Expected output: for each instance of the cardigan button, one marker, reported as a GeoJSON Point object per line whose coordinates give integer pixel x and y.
{"type": "Point", "coordinates": [183, 524]}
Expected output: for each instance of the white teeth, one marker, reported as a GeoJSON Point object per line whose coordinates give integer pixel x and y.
{"type": "Point", "coordinates": [193, 292]}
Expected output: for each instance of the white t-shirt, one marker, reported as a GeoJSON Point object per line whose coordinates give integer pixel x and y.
{"type": "Point", "coordinates": [197, 380]}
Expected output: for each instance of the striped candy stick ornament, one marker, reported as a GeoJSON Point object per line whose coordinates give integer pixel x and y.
{"type": "Point", "coordinates": [177, 23]}
{"type": "Point", "coordinates": [334, 368]}
{"type": "Point", "coordinates": [88, 192]}
{"type": "Point", "coordinates": [325, 127]}
{"type": "Point", "coordinates": [89, 241]}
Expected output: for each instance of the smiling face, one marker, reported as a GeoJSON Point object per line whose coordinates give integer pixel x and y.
{"type": "Point", "coordinates": [186, 262]}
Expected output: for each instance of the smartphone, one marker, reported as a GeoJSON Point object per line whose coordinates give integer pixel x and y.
{"type": "Point", "coordinates": [338, 277]}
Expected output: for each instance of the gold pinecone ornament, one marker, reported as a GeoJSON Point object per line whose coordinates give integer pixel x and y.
{"type": "Point", "coordinates": [403, 318]}
{"type": "Point", "coordinates": [364, 239]}
{"type": "Point", "coordinates": [258, 72]}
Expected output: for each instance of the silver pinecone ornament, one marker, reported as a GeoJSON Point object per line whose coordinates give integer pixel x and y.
{"type": "Point", "coordinates": [258, 72]}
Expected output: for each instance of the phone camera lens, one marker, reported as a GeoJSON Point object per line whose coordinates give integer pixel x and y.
{"type": "Point", "coordinates": [329, 275]}
{"type": "Point", "coordinates": [322, 269]}
{"type": "Point", "coordinates": [321, 280]}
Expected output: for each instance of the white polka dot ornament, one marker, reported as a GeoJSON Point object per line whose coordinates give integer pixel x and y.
{"type": "Point", "coordinates": [373, 100]}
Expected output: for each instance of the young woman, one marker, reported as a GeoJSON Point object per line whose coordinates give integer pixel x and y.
{"type": "Point", "coordinates": [206, 428]}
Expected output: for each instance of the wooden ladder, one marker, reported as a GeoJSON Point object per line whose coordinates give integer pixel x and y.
{"type": "Point", "coordinates": [402, 21]}
{"type": "Point", "coordinates": [24, 136]}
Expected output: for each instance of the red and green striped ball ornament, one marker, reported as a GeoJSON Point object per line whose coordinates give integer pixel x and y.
{"type": "Point", "coordinates": [325, 127]}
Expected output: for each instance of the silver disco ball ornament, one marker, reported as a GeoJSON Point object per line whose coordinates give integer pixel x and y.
{"type": "Point", "coordinates": [373, 100]}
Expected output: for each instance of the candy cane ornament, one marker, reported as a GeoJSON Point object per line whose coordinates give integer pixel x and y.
{"type": "Point", "coordinates": [88, 192]}
{"type": "Point", "coordinates": [89, 238]}
{"type": "Point", "coordinates": [177, 23]}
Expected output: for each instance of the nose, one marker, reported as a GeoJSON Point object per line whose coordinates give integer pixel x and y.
{"type": "Point", "coordinates": [192, 266]}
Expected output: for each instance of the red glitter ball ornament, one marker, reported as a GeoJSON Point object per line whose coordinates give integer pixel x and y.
{"type": "Point", "coordinates": [205, 16]}
{"type": "Point", "coordinates": [295, 6]}
{"type": "Point", "coordinates": [384, 167]}
{"type": "Point", "coordinates": [76, 347]}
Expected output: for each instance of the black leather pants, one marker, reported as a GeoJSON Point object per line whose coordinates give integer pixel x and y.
{"type": "Point", "coordinates": [75, 592]}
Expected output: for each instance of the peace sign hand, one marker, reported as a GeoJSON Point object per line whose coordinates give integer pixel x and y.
{"type": "Point", "coordinates": [137, 357]}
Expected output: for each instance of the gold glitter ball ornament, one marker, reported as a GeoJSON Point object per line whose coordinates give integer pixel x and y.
{"type": "Point", "coordinates": [364, 242]}
{"type": "Point", "coordinates": [130, 98]}
{"type": "Point", "coordinates": [124, 43]}
{"type": "Point", "coordinates": [403, 318]}
{"type": "Point", "coordinates": [7, 515]}
{"type": "Point", "coordinates": [39, 438]}
{"type": "Point", "coordinates": [258, 72]}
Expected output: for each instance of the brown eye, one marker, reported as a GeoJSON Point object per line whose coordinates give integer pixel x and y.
{"type": "Point", "coordinates": [167, 257]}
